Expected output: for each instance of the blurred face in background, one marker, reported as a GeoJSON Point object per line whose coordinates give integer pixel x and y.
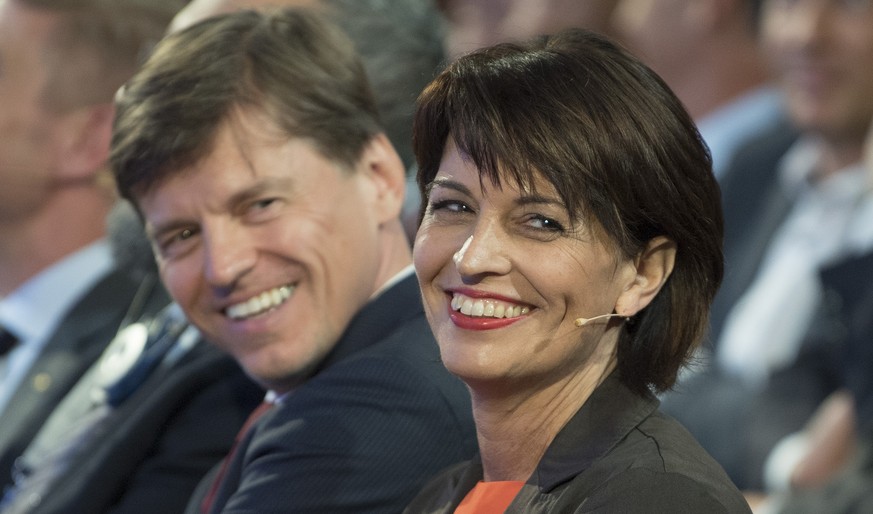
{"type": "Point", "coordinates": [484, 23]}
{"type": "Point", "coordinates": [27, 128]}
{"type": "Point", "coordinates": [197, 10]}
{"type": "Point", "coordinates": [661, 32]}
{"type": "Point", "coordinates": [822, 52]}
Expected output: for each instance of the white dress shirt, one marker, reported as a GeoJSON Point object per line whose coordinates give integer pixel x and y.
{"type": "Point", "coordinates": [726, 128]}
{"type": "Point", "coordinates": [33, 311]}
{"type": "Point", "coordinates": [830, 219]}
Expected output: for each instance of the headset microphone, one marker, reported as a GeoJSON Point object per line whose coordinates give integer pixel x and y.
{"type": "Point", "coordinates": [580, 322]}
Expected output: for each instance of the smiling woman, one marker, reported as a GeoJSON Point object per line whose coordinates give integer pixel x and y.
{"type": "Point", "coordinates": [569, 249]}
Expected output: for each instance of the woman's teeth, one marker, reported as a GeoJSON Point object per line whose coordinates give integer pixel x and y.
{"type": "Point", "coordinates": [477, 307]}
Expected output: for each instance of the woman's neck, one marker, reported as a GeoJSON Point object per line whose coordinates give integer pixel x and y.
{"type": "Point", "coordinates": [515, 428]}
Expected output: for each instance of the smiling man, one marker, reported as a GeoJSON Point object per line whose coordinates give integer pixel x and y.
{"type": "Point", "coordinates": [252, 147]}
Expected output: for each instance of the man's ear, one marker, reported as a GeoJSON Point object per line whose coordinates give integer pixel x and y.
{"type": "Point", "coordinates": [652, 267]}
{"type": "Point", "coordinates": [385, 170]}
{"type": "Point", "coordinates": [84, 136]}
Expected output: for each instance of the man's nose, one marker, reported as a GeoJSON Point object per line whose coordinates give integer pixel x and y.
{"type": "Point", "coordinates": [228, 255]}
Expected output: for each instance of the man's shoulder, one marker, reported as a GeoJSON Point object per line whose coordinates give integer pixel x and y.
{"type": "Point", "coordinates": [404, 362]}
{"type": "Point", "coordinates": [401, 375]}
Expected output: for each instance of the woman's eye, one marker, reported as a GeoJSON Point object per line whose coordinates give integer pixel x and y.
{"type": "Point", "coordinates": [543, 223]}
{"type": "Point", "coordinates": [453, 206]}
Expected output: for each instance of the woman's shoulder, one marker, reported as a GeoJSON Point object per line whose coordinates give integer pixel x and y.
{"type": "Point", "coordinates": [660, 467]}
{"type": "Point", "coordinates": [645, 490]}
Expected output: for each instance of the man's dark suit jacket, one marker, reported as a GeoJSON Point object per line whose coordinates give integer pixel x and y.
{"type": "Point", "coordinates": [154, 448]}
{"type": "Point", "coordinates": [755, 204]}
{"type": "Point", "coordinates": [377, 420]}
{"type": "Point", "coordinates": [79, 340]}
{"type": "Point", "coordinates": [837, 355]}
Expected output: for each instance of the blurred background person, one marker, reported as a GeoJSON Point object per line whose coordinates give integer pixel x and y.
{"type": "Point", "coordinates": [564, 179]}
{"type": "Point", "coordinates": [481, 23]}
{"type": "Point", "coordinates": [62, 296]}
{"type": "Point", "coordinates": [827, 466]}
{"type": "Point", "coordinates": [145, 423]}
{"type": "Point", "coordinates": [709, 54]}
{"type": "Point", "coordinates": [794, 203]}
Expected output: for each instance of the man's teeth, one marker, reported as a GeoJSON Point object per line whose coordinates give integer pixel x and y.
{"type": "Point", "coordinates": [260, 303]}
{"type": "Point", "coordinates": [480, 308]}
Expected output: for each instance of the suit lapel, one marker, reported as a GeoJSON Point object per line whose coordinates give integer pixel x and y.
{"type": "Point", "coordinates": [75, 345]}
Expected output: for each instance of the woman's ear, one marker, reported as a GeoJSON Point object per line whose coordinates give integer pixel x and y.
{"type": "Point", "coordinates": [652, 267]}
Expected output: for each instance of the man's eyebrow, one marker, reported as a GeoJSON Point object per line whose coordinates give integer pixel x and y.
{"type": "Point", "coordinates": [262, 187]}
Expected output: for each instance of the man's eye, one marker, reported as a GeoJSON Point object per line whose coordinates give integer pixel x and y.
{"type": "Point", "coordinates": [263, 209]}
{"type": "Point", "coordinates": [175, 243]}
{"type": "Point", "coordinates": [262, 205]}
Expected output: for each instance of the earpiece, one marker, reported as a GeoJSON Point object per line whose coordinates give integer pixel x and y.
{"type": "Point", "coordinates": [580, 322]}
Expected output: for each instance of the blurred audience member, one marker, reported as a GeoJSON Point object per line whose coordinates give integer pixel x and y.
{"type": "Point", "coordinates": [482, 23]}
{"type": "Point", "coordinates": [828, 465]}
{"type": "Point", "coordinates": [709, 54]}
{"type": "Point", "coordinates": [144, 425]}
{"type": "Point", "coordinates": [62, 297]}
{"type": "Point", "coordinates": [273, 205]}
{"type": "Point", "coordinates": [783, 225]}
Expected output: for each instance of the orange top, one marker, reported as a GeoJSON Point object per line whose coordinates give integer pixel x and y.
{"type": "Point", "coordinates": [489, 498]}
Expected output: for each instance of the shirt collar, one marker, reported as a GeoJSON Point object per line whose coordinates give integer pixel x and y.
{"type": "Point", "coordinates": [373, 322]}
{"type": "Point", "coordinates": [727, 127]}
{"type": "Point", "coordinates": [33, 310]}
{"type": "Point", "coordinates": [799, 165]}
{"type": "Point", "coordinates": [405, 272]}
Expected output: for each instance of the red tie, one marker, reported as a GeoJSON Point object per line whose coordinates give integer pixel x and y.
{"type": "Point", "coordinates": [216, 484]}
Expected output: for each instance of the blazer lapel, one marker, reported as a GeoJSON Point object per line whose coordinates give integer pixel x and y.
{"type": "Point", "coordinates": [75, 345]}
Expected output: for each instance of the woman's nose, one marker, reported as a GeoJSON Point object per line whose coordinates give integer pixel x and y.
{"type": "Point", "coordinates": [483, 252]}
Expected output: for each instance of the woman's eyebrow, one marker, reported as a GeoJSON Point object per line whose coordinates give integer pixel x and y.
{"type": "Point", "coordinates": [540, 199]}
{"type": "Point", "coordinates": [448, 183]}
